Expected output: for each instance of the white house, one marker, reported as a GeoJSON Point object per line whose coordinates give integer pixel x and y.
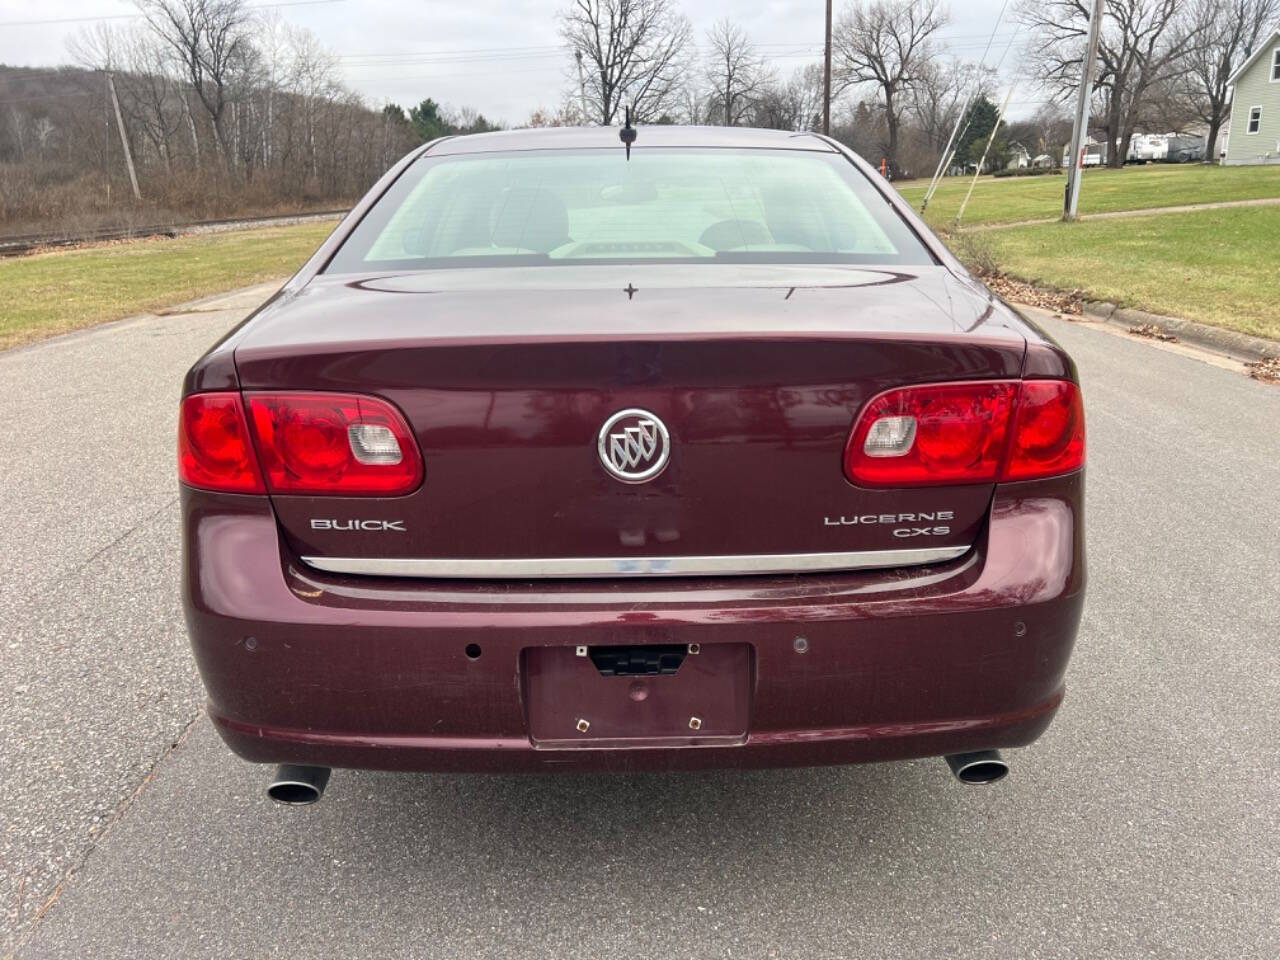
{"type": "Point", "coordinates": [1019, 157]}
{"type": "Point", "coordinates": [1255, 107]}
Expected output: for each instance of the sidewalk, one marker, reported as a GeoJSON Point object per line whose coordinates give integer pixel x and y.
{"type": "Point", "coordinates": [1126, 214]}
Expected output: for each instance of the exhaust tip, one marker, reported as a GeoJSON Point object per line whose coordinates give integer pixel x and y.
{"type": "Point", "coordinates": [984, 766]}
{"type": "Point", "coordinates": [298, 786]}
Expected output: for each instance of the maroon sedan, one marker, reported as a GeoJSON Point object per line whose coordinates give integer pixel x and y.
{"type": "Point", "coordinates": [561, 454]}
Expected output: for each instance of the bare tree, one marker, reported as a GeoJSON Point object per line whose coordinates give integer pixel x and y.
{"type": "Point", "coordinates": [805, 90]}
{"type": "Point", "coordinates": [697, 103]}
{"type": "Point", "coordinates": [16, 123]}
{"type": "Point", "coordinates": [153, 91]}
{"type": "Point", "coordinates": [289, 132]}
{"type": "Point", "coordinates": [887, 43]}
{"type": "Point", "coordinates": [633, 52]}
{"type": "Point", "coordinates": [1144, 44]}
{"type": "Point", "coordinates": [96, 47]}
{"type": "Point", "coordinates": [735, 72]}
{"type": "Point", "coordinates": [146, 88]}
{"type": "Point", "coordinates": [312, 77]}
{"type": "Point", "coordinates": [794, 105]}
{"type": "Point", "coordinates": [272, 42]}
{"type": "Point", "coordinates": [1230, 31]}
{"type": "Point", "coordinates": [568, 114]}
{"type": "Point", "coordinates": [859, 125]}
{"type": "Point", "coordinates": [1052, 125]}
{"type": "Point", "coordinates": [939, 94]}
{"type": "Point", "coordinates": [210, 39]}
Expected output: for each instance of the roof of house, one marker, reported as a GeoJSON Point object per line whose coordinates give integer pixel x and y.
{"type": "Point", "coordinates": [1264, 46]}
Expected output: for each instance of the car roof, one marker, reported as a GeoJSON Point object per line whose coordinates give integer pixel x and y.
{"type": "Point", "coordinates": [660, 135]}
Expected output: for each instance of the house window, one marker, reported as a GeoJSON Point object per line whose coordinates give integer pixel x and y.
{"type": "Point", "coordinates": [1255, 120]}
{"type": "Point", "coordinates": [1275, 65]}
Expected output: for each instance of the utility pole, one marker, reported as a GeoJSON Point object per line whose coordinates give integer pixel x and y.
{"type": "Point", "coordinates": [582, 86]}
{"type": "Point", "coordinates": [1081, 129]}
{"type": "Point", "coordinates": [826, 79]}
{"type": "Point", "coordinates": [124, 141]}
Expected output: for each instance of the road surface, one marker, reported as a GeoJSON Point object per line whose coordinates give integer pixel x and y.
{"type": "Point", "coordinates": [1145, 823]}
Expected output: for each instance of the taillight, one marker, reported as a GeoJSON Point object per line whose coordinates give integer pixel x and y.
{"type": "Point", "coordinates": [975, 432]}
{"type": "Point", "coordinates": [332, 443]}
{"type": "Point", "coordinates": [1048, 437]}
{"type": "Point", "coordinates": [214, 451]}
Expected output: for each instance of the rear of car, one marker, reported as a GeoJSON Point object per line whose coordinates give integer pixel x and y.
{"type": "Point", "coordinates": [552, 459]}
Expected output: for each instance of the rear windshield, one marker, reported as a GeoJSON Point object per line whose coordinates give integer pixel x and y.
{"type": "Point", "coordinates": [664, 205]}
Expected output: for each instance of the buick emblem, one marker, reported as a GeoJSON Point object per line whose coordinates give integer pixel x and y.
{"type": "Point", "coordinates": [634, 445]}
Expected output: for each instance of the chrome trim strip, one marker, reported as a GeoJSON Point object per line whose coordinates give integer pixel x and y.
{"type": "Point", "coordinates": [578, 568]}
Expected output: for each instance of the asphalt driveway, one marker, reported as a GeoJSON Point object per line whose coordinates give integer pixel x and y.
{"type": "Point", "coordinates": [1146, 823]}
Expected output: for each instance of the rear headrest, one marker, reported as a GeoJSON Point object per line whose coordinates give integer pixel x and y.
{"type": "Point", "coordinates": [794, 218]}
{"type": "Point", "coordinates": [532, 219]}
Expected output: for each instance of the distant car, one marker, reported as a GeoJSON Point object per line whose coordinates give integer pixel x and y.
{"type": "Point", "coordinates": [555, 459]}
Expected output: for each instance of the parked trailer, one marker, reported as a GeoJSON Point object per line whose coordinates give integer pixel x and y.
{"type": "Point", "coordinates": [1185, 149]}
{"type": "Point", "coordinates": [1095, 155]}
{"type": "Point", "coordinates": [1165, 148]}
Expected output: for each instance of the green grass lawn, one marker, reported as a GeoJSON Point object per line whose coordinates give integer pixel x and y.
{"type": "Point", "coordinates": [1009, 199]}
{"type": "Point", "coordinates": [1214, 266]}
{"type": "Point", "coordinates": [55, 292]}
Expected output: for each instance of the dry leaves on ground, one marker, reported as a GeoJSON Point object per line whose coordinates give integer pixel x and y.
{"type": "Point", "coordinates": [1016, 290]}
{"type": "Point", "coordinates": [1152, 332]}
{"type": "Point", "coordinates": [1267, 370]}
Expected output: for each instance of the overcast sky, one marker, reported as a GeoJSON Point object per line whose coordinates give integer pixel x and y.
{"type": "Point", "coordinates": [501, 56]}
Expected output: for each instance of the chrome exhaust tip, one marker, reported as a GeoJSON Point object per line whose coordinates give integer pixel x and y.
{"type": "Point", "coordinates": [298, 786]}
{"type": "Point", "coordinates": [984, 766]}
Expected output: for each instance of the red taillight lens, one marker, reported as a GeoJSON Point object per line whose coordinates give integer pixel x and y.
{"type": "Point", "coordinates": [214, 452]}
{"type": "Point", "coordinates": [1048, 438]}
{"type": "Point", "coordinates": [958, 435]}
{"type": "Point", "coordinates": [331, 443]}
{"type": "Point", "coordinates": [977, 432]}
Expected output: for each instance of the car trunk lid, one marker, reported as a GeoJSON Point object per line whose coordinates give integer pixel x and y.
{"type": "Point", "coordinates": [508, 376]}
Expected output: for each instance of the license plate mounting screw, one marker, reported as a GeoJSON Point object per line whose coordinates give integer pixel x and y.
{"type": "Point", "coordinates": [583, 725]}
{"type": "Point", "coordinates": [695, 723]}
{"type": "Point", "coordinates": [694, 649]}
{"type": "Point", "coordinates": [581, 651]}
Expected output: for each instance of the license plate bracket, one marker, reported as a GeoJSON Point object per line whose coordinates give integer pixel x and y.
{"type": "Point", "coordinates": [570, 704]}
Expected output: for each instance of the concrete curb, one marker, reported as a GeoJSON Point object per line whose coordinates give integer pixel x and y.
{"type": "Point", "coordinates": [1233, 344]}
{"type": "Point", "coordinates": [203, 303]}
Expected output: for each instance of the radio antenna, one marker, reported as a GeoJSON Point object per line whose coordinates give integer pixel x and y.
{"type": "Point", "coordinates": [628, 133]}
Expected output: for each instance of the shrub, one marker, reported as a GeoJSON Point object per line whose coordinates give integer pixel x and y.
{"type": "Point", "coordinates": [1028, 172]}
{"type": "Point", "coordinates": [976, 252]}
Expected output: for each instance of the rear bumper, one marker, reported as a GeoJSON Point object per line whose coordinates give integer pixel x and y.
{"type": "Point", "coordinates": [312, 668]}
